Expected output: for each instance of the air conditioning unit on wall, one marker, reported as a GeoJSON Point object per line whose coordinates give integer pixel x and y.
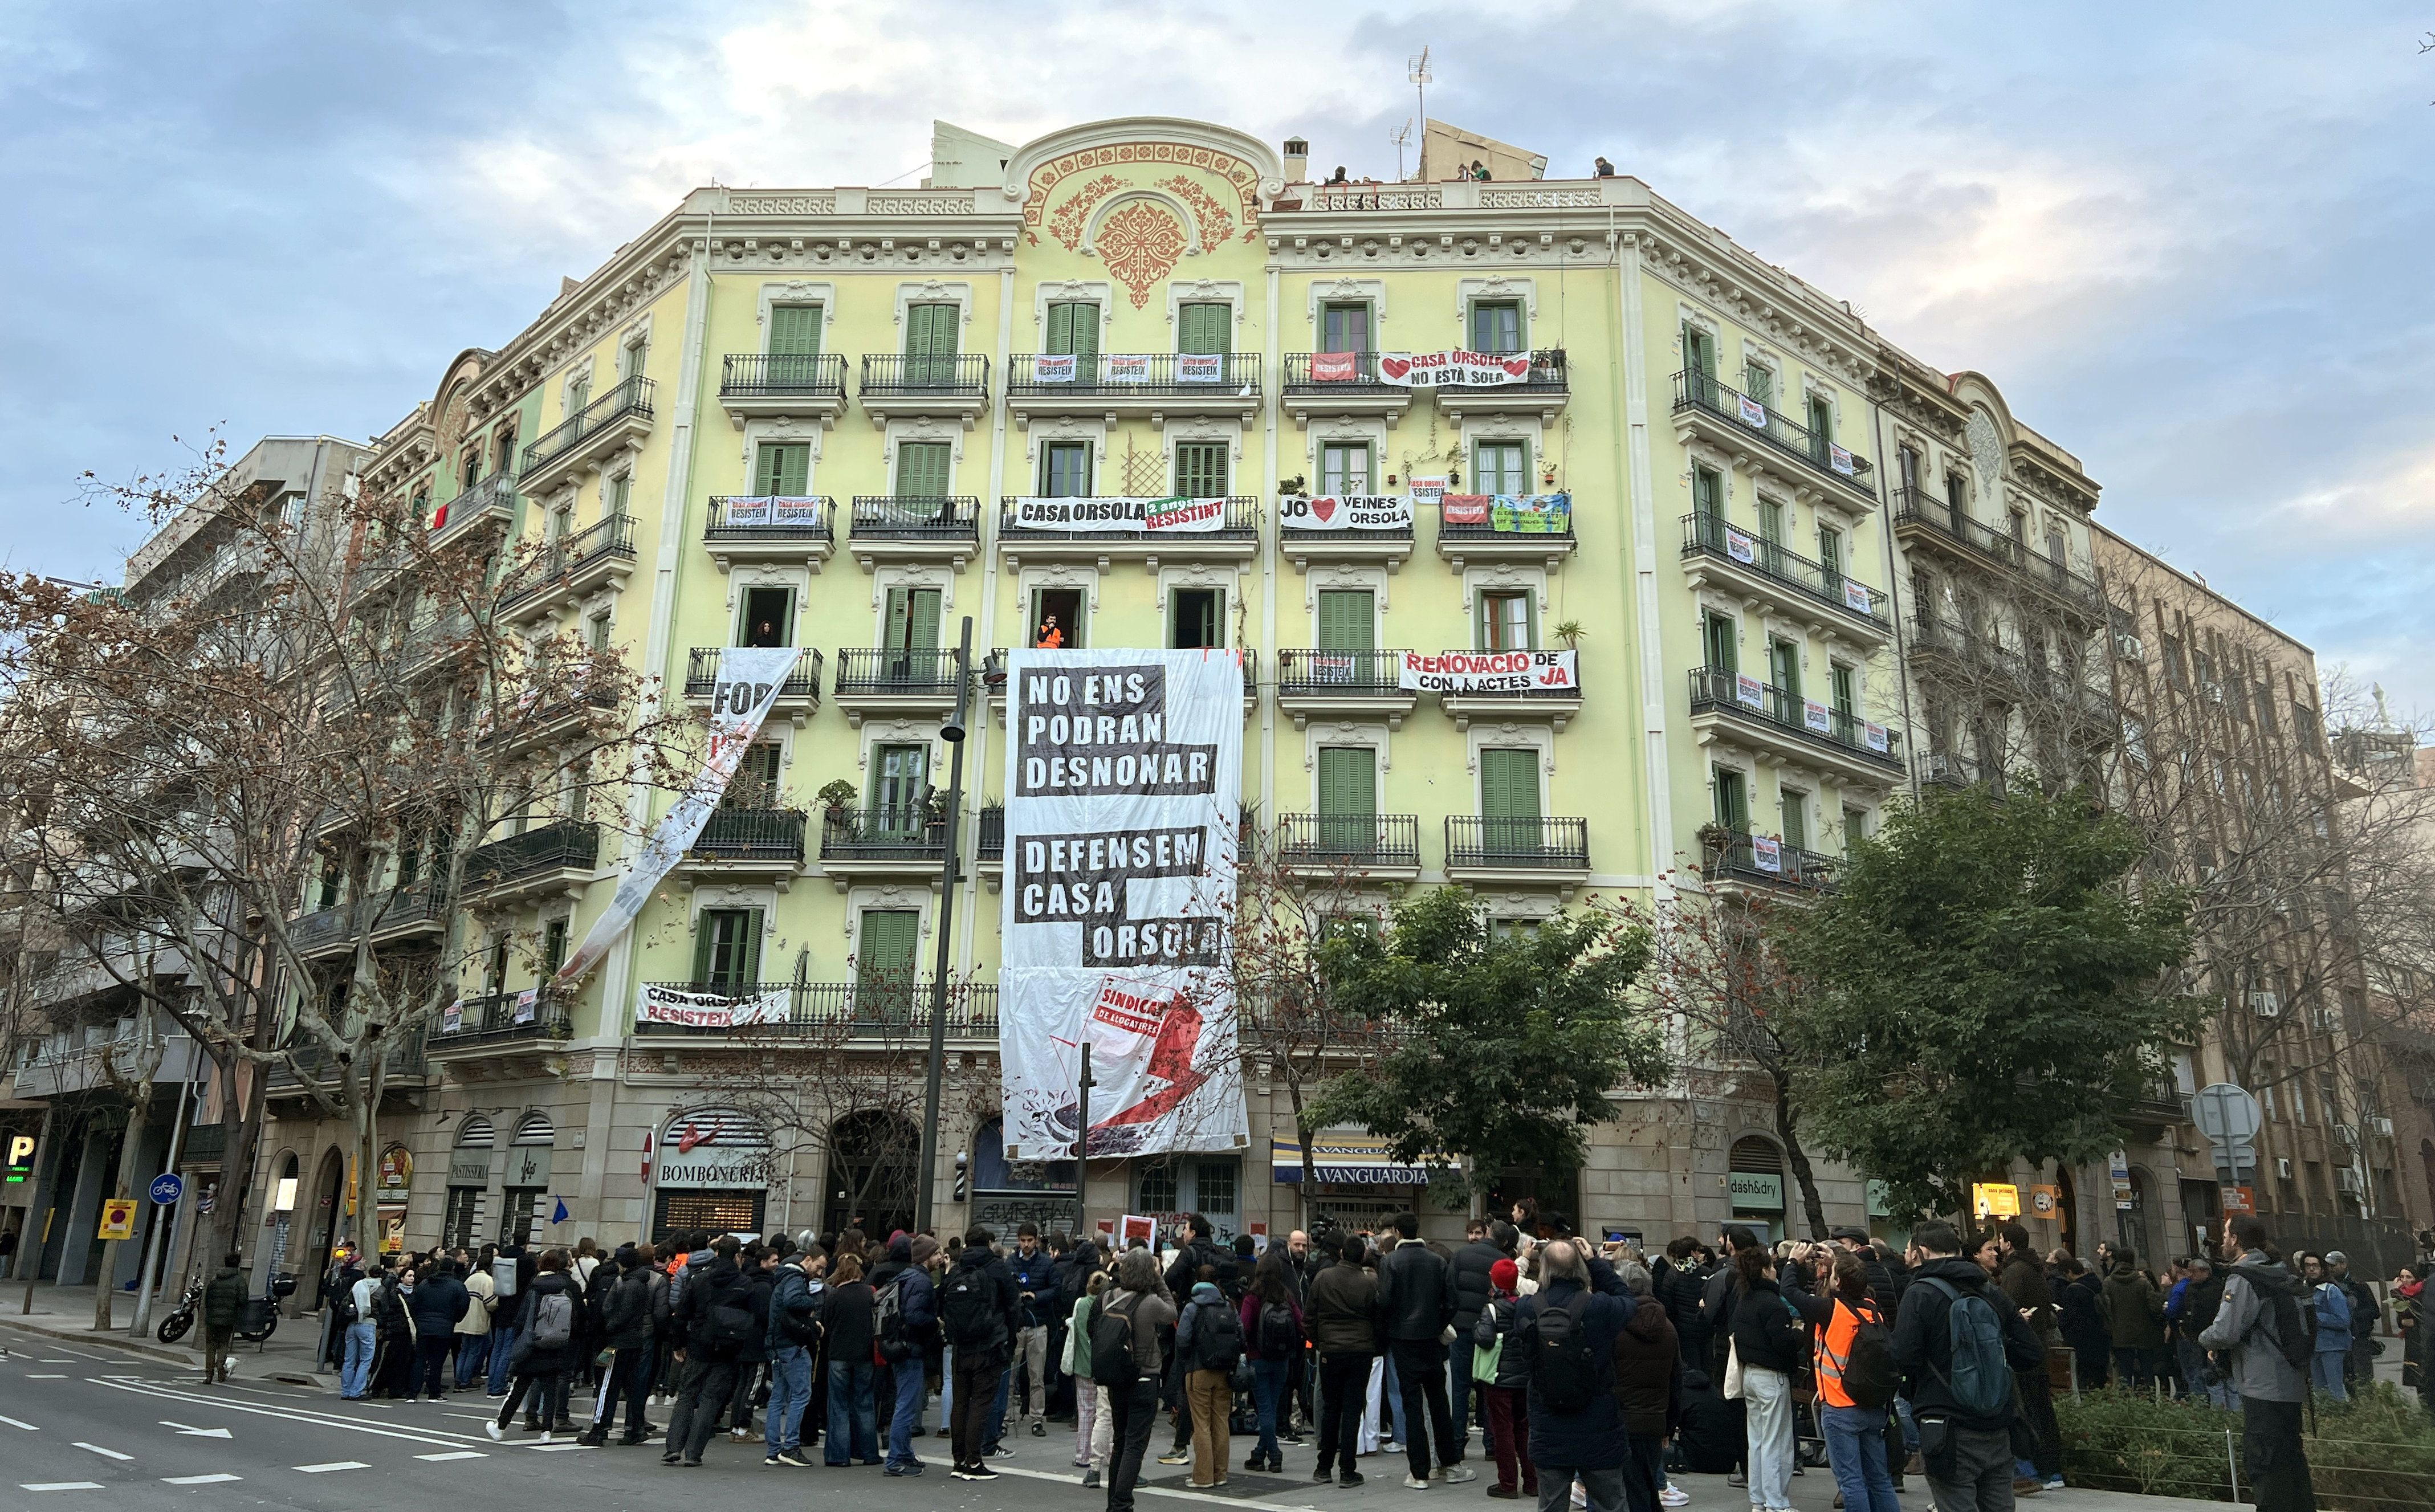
{"type": "Point", "coordinates": [2283, 1166]}
{"type": "Point", "coordinates": [2265, 1004]}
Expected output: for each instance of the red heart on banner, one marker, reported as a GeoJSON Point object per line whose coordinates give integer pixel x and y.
{"type": "Point", "coordinates": [1324, 508]}
{"type": "Point", "coordinates": [1516, 366]}
{"type": "Point", "coordinates": [1396, 366]}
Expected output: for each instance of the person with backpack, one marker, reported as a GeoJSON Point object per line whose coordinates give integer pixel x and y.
{"type": "Point", "coordinates": [439, 1305]}
{"type": "Point", "coordinates": [544, 1350]}
{"type": "Point", "coordinates": [2332, 1307]}
{"type": "Point", "coordinates": [1272, 1337]}
{"type": "Point", "coordinates": [2190, 1311]}
{"type": "Point", "coordinates": [1343, 1319]}
{"type": "Point", "coordinates": [623, 1284]}
{"type": "Point", "coordinates": [905, 1322]}
{"type": "Point", "coordinates": [1959, 1342]}
{"type": "Point", "coordinates": [1093, 1426]}
{"type": "Point", "coordinates": [713, 1320]}
{"type": "Point", "coordinates": [1768, 1343]}
{"type": "Point", "coordinates": [1126, 1359]}
{"type": "Point", "coordinates": [1568, 1332]}
{"type": "Point", "coordinates": [1857, 1380]}
{"type": "Point", "coordinates": [1209, 1342]}
{"type": "Point", "coordinates": [2264, 1324]}
{"type": "Point", "coordinates": [1502, 1375]}
{"type": "Point", "coordinates": [979, 1314]}
{"type": "Point", "coordinates": [2366, 1313]}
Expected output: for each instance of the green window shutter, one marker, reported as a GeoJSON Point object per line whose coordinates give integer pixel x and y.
{"type": "Point", "coordinates": [1830, 555]}
{"type": "Point", "coordinates": [1508, 786]}
{"type": "Point", "coordinates": [1707, 491]}
{"type": "Point", "coordinates": [913, 619]}
{"type": "Point", "coordinates": [1347, 781]}
{"type": "Point", "coordinates": [921, 469]}
{"type": "Point", "coordinates": [1783, 667]}
{"type": "Point", "coordinates": [1200, 469]}
{"type": "Point", "coordinates": [1698, 351]}
{"type": "Point", "coordinates": [1821, 421]}
{"type": "Point", "coordinates": [1501, 467]}
{"type": "Point", "coordinates": [1344, 328]}
{"type": "Point", "coordinates": [1722, 644]}
{"type": "Point", "coordinates": [1844, 700]}
{"type": "Point", "coordinates": [1065, 470]}
{"type": "Point", "coordinates": [750, 973]}
{"type": "Point", "coordinates": [704, 929]}
{"type": "Point", "coordinates": [930, 330]}
{"type": "Point", "coordinates": [891, 939]}
{"type": "Point", "coordinates": [794, 329]}
{"type": "Point", "coordinates": [1759, 384]}
{"type": "Point", "coordinates": [1204, 328]}
{"type": "Point", "coordinates": [1795, 805]}
{"type": "Point", "coordinates": [1345, 620]}
{"type": "Point", "coordinates": [1074, 330]}
{"type": "Point", "coordinates": [783, 468]}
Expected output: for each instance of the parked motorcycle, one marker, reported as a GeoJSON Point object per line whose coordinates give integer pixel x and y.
{"type": "Point", "coordinates": [258, 1322]}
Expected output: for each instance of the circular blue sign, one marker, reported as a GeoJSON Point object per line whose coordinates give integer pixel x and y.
{"type": "Point", "coordinates": [167, 1188]}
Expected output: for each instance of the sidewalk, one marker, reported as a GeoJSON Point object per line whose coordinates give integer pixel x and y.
{"type": "Point", "coordinates": [64, 1314]}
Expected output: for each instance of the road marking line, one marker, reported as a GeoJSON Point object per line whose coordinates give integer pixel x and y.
{"type": "Point", "coordinates": [58, 1485]}
{"type": "Point", "coordinates": [455, 1453]}
{"type": "Point", "coordinates": [554, 1448]}
{"type": "Point", "coordinates": [51, 1377]}
{"type": "Point", "coordinates": [106, 1453]}
{"type": "Point", "coordinates": [472, 1417]}
{"type": "Point", "coordinates": [195, 1432]}
{"type": "Point", "coordinates": [200, 1480]}
{"type": "Point", "coordinates": [1144, 1490]}
{"type": "Point", "coordinates": [334, 1465]}
{"type": "Point", "coordinates": [14, 1423]}
{"type": "Point", "coordinates": [54, 1362]}
{"type": "Point", "coordinates": [441, 1437]}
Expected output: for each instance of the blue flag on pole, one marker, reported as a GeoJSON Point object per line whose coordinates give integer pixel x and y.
{"type": "Point", "coordinates": [558, 1214]}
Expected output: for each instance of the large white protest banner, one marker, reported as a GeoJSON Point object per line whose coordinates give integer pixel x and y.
{"type": "Point", "coordinates": [1490, 672]}
{"type": "Point", "coordinates": [1348, 511]}
{"type": "Point", "coordinates": [1124, 787]}
{"type": "Point", "coordinates": [1120, 515]}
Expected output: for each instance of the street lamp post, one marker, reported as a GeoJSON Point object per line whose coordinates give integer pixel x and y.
{"type": "Point", "coordinates": [953, 733]}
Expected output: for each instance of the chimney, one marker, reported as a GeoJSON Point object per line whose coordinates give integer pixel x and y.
{"type": "Point", "coordinates": [1297, 161]}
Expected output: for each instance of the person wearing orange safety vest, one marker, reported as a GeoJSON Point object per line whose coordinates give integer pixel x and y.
{"type": "Point", "coordinates": [1856, 1434]}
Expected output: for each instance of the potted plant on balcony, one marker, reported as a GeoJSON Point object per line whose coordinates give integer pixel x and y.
{"type": "Point", "coordinates": [836, 797]}
{"type": "Point", "coordinates": [1714, 838]}
{"type": "Point", "coordinates": [1570, 632]}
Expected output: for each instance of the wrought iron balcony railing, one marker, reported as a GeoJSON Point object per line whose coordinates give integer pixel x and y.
{"type": "Point", "coordinates": [782, 375]}
{"type": "Point", "coordinates": [1777, 430]}
{"type": "Point", "coordinates": [1241, 523]}
{"type": "Point", "coordinates": [758, 517]}
{"type": "Point", "coordinates": [1488, 840]}
{"type": "Point", "coordinates": [1710, 535]}
{"type": "Point", "coordinates": [916, 517]}
{"type": "Point", "coordinates": [1806, 719]}
{"type": "Point", "coordinates": [752, 834]}
{"type": "Point", "coordinates": [1765, 859]}
{"type": "Point", "coordinates": [881, 1005]}
{"type": "Point", "coordinates": [886, 376]}
{"type": "Point", "coordinates": [560, 844]}
{"type": "Point", "coordinates": [702, 664]}
{"type": "Point", "coordinates": [1352, 841]}
{"type": "Point", "coordinates": [887, 671]}
{"type": "Point", "coordinates": [628, 396]}
{"type": "Point", "coordinates": [883, 834]}
{"type": "Point", "coordinates": [1321, 673]}
{"type": "Point", "coordinates": [1147, 375]}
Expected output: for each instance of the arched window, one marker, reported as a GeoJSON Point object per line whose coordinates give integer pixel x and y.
{"type": "Point", "coordinates": [476, 1133]}
{"type": "Point", "coordinates": [1754, 1178]}
{"type": "Point", "coordinates": [711, 1171]}
{"type": "Point", "coordinates": [536, 1128]}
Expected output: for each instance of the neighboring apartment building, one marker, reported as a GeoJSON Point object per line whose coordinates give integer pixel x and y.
{"type": "Point", "coordinates": [801, 418]}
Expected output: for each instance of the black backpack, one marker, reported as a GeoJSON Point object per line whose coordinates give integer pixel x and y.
{"type": "Point", "coordinates": [342, 1305]}
{"type": "Point", "coordinates": [1112, 1345]}
{"type": "Point", "coordinates": [2294, 1327]}
{"type": "Point", "coordinates": [1216, 1338]}
{"type": "Point", "coordinates": [968, 1309]}
{"type": "Point", "coordinates": [1563, 1366]}
{"type": "Point", "coordinates": [728, 1319]}
{"type": "Point", "coordinates": [887, 1321]}
{"type": "Point", "coordinates": [1280, 1336]}
{"type": "Point", "coordinates": [1870, 1376]}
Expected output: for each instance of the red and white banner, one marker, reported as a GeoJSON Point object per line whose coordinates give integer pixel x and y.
{"type": "Point", "coordinates": [1453, 368]}
{"type": "Point", "coordinates": [771, 512]}
{"type": "Point", "coordinates": [655, 1004]}
{"type": "Point", "coordinates": [1350, 511]}
{"type": "Point", "coordinates": [1199, 368]}
{"type": "Point", "coordinates": [1753, 413]}
{"type": "Point", "coordinates": [1335, 366]}
{"type": "Point", "coordinates": [1121, 516]}
{"type": "Point", "coordinates": [1490, 672]}
{"type": "Point", "coordinates": [1053, 370]}
{"type": "Point", "coordinates": [1428, 490]}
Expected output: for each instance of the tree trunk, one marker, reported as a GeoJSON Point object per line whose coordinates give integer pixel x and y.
{"type": "Point", "coordinates": [1309, 1164]}
{"type": "Point", "coordinates": [366, 1227]}
{"type": "Point", "coordinates": [103, 1286]}
{"type": "Point", "coordinates": [240, 1118]}
{"type": "Point", "coordinates": [1785, 1122]}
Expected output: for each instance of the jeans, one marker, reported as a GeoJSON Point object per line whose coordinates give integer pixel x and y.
{"type": "Point", "coordinates": [503, 1342]}
{"type": "Point", "coordinates": [1458, 1386]}
{"type": "Point", "coordinates": [431, 1355]}
{"type": "Point", "coordinates": [1211, 1396]}
{"type": "Point", "coordinates": [790, 1392]}
{"type": "Point", "coordinates": [630, 1381]}
{"type": "Point", "coordinates": [996, 1434]}
{"type": "Point", "coordinates": [1391, 1395]}
{"type": "Point", "coordinates": [1982, 1472]}
{"type": "Point", "coordinates": [1420, 1363]}
{"type": "Point", "coordinates": [1134, 1411]}
{"type": "Point", "coordinates": [355, 1375]}
{"type": "Point", "coordinates": [853, 1432]}
{"type": "Point", "coordinates": [1604, 1488]}
{"type": "Point", "coordinates": [910, 1386]}
{"type": "Point", "coordinates": [1509, 1438]}
{"type": "Point", "coordinates": [1644, 1471]}
{"type": "Point", "coordinates": [473, 1354]}
{"type": "Point", "coordinates": [967, 1428]}
{"type": "Point", "coordinates": [1856, 1447]}
{"type": "Point", "coordinates": [1768, 1396]}
{"type": "Point", "coordinates": [1268, 1396]}
{"type": "Point", "coordinates": [1343, 1393]}
{"type": "Point", "coordinates": [708, 1383]}
{"type": "Point", "coordinates": [2325, 1369]}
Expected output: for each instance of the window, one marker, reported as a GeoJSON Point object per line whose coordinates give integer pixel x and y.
{"type": "Point", "coordinates": [783, 468]}
{"type": "Point", "coordinates": [553, 947]}
{"type": "Point", "coordinates": [1821, 424]}
{"type": "Point", "coordinates": [727, 950]}
{"type": "Point", "coordinates": [1759, 382]}
{"type": "Point", "coordinates": [1509, 800]}
{"type": "Point", "coordinates": [1855, 828]}
{"type": "Point", "coordinates": [1158, 1193]}
{"type": "Point", "coordinates": [2177, 672]}
{"type": "Point", "coordinates": [930, 333]}
{"type": "Point", "coordinates": [769, 617]}
{"type": "Point", "coordinates": [629, 360]}
{"type": "Point", "coordinates": [1830, 557]}
{"type": "Point", "coordinates": [1074, 330]}
{"type": "Point", "coordinates": [755, 783]}
{"type": "Point", "coordinates": [1200, 469]}
{"type": "Point", "coordinates": [469, 467]}
{"type": "Point", "coordinates": [1065, 469]}
{"type": "Point", "coordinates": [912, 623]}
{"type": "Point", "coordinates": [1795, 806]}
{"type": "Point", "coordinates": [1956, 498]}
{"type": "Point", "coordinates": [503, 449]}
{"type": "Point", "coordinates": [1505, 622]}
{"type": "Point", "coordinates": [560, 524]}
{"type": "Point", "coordinates": [884, 963]}
{"type": "Point", "coordinates": [923, 469]}
{"type": "Point", "coordinates": [1217, 1186]}
{"type": "Point", "coordinates": [1344, 328]}
{"type": "Point", "coordinates": [2135, 741]}
{"type": "Point", "coordinates": [1843, 681]}
{"type": "Point", "coordinates": [1344, 468]}
{"type": "Point", "coordinates": [1496, 325]}
{"type": "Point", "coordinates": [1707, 493]}
{"type": "Point", "coordinates": [2304, 726]}
{"type": "Point", "coordinates": [1907, 461]}
{"type": "Point", "coordinates": [1195, 618]}
{"type": "Point", "coordinates": [1771, 535]}
{"type": "Point", "coordinates": [901, 778]}
{"type": "Point", "coordinates": [578, 394]}
{"type": "Point", "coordinates": [1784, 666]}
{"type": "Point", "coordinates": [621, 493]}
{"type": "Point", "coordinates": [422, 506]}
{"type": "Point", "coordinates": [1204, 328]}
{"type": "Point", "coordinates": [1347, 619]}
{"type": "Point", "coordinates": [1732, 791]}
{"type": "Point", "coordinates": [1718, 638]}
{"type": "Point", "coordinates": [1057, 617]}
{"type": "Point", "coordinates": [595, 633]}
{"type": "Point", "coordinates": [1698, 352]}
{"type": "Point", "coordinates": [1500, 467]}
{"type": "Point", "coordinates": [463, 1219]}
{"type": "Point", "coordinates": [795, 331]}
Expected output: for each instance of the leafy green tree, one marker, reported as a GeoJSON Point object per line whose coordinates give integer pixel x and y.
{"type": "Point", "coordinates": [1505, 1044]}
{"type": "Point", "coordinates": [1988, 984]}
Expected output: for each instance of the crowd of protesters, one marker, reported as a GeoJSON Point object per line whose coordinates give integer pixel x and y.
{"type": "Point", "coordinates": [1593, 1373]}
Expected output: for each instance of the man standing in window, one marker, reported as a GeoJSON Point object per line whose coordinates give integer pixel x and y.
{"type": "Point", "coordinates": [1050, 637]}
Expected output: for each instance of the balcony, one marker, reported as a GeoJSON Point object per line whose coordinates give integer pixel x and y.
{"type": "Point", "coordinates": [1482, 527]}
{"type": "Point", "coordinates": [888, 1007]}
{"type": "Point", "coordinates": [1759, 438]}
{"type": "Point", "coordinates": [882, 845]}
{"type": "Point", "coordinates": [993, 684]}
{"type": "Point", "coordinates": [577, 710]}
{"type": "Point", "coordinates": [1154, 384]}
{"type": "Point", "coordinates": [1386, 548]}
{"type": "Point", "coordinates": [914, 528]}
{"type": "Point", "coordinates": [1094, 531]}
{"type": "Point", "coordinates": [404, 1068]}
{"type": "Point", "coordinates": [105, 1063]}
{"type": "Point", "coordinates": [1767, 862]}
{"type": "Point", "coordinates": [1360, 391]}
{"type": "Point", "coordinates": [555, 858]}
{"type": "Point", "coordinates": [924, 388]}
{"type": "Point", "coordinates": [1544, 393]}
{"type": "Point", "coordinates": [782, 386]}
{"type": "Point", "coordinates": [989, 849]}
{"type": "Point", "coordinates": [1351, 847]}
{"type": "Point", "coordinates": [1745, 711]}
{"type": "Point", "coordinates": [488, 506]}
{"type": "Point", "coordinates": [744, 527]}
{"type": "Point", "coordinates": [1494, 852]}
{"type": "Point", "coordinates": [1767, 576]}
{"type": "Point", "coordinates": [617, 421]}
{"type": "Point", "coordinates": [2158, 1106]}
{"type": "Point", "coordinates": [572, 568]}
{"type": "Point", "coordinates": [917, 682]}
{"type": "Point", "coordinates": [799, 696]}
{"type": "Point", "coordinates": [498, 1025]}
{"type": "Point", "coordinates": [1922, 518]}
{"type": "Point", "coordinates": [747, 844]}
{"type": "Point", "coordinates": [408, 913]}
{"type": "Point", "coordinates": [1343, 684]}
{"type": "Point", "coordinates": [1554, 705]}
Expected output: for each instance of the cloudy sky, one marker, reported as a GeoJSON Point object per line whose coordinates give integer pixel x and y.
{"type": "Point", "coordinates": [2190, 244]}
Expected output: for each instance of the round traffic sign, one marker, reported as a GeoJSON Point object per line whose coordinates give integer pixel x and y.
{"type": "Point", "coordinates": [2225, 1113]}
{"type": "Point", "coordinates": [167, 1188]}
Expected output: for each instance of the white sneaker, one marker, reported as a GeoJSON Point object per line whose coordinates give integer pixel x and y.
{"type": "Point", "coordinates": [490, 1426]}
{"type": "Point", "coordinates": [1457, 1474]}
{"type": "Point", "coordinates": [1674, 1496]}
{"type": "Point", "coordinates": [544, 1437]}
{"type": "Point", "coordinates": [1415, 1483]}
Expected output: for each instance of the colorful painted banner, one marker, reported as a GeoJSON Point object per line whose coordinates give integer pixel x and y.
{"type": "Point", "coordinates": [1121, 516]}
{"type": "Point", "coordinates": [1520, 514]}
{"type": "Point", "coordinates": [1060, 370]}
{"type": "Point", "coordinates": [1199, 368]}
{"type": "Point", "coordinates": [1362, 511]}
{"type": "Point", "coordinates": [655, 1004]}
{"type": "Point", "coordinates": [1453, 368]}
{"type": "Point", "coordinates": [1753, 413]}
{"type": "Point", "coordinates": [1490, 672]}
{"type": "Point", "coordinates": [746, 690]}
{"type": "Point", "coordinates": [1124, 782]}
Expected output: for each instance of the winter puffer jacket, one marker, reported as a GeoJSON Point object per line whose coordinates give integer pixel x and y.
{"type": "Point", "coordinates": [533, 1359]}
{"type": "Point", "coordinates": [1471, 1285]}
{"type": "Point", "coordinates": [1502, 1319]}
{"type": "Point", "coordinates": [1649, 1373]}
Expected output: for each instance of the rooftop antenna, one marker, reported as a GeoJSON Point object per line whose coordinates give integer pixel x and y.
{"type": "Point", "coordinates": [1400, 138]}
{"type": "Point", "coordinates": [1417, 70]}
